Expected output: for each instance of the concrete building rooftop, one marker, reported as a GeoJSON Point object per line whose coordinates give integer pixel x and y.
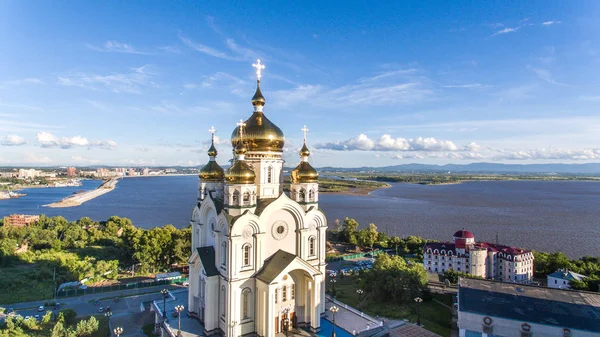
{"type": "Point", "coordinates": [558, 307]}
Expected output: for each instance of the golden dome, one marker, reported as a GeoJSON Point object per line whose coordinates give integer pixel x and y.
{"type": "Point", "coordinates": [260, 134]}
{"type": "Point", "coordinates": [240, 173]}
{"type": "Point", "coordinates": [212, 151]}
{"type": "Point", "coordinates": [304, 173]}
{"type": "Point", "coordinates": [212, 172]}
{"type": "Point", "coordinates": [304, 151]}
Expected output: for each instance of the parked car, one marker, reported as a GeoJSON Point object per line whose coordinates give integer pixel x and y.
{"type": "Point", "coordinates": [186, 284]}
{"type": "Point", "coordinates": [101, 309]}
{"type": "Point", "coordinates": [41, 308]}
{"type": "Point", "coordinates": [37, 317]}
{"type": "Point", "coordinates": [174, 313]}
{"type": "Point", "coordinates": [9, 310]}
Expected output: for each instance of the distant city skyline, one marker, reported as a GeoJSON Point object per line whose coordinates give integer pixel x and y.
{"type": "Point", "coordinates": [140, 83]}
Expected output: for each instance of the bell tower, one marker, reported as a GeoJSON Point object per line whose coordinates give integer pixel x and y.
{"type": "Point", "coordinates": [304, 188]}
{"type": "Point", "coordinates": [240, 191]}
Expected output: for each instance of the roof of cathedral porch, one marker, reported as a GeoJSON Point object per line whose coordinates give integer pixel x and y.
{"type": "Point", "coordinates": [279, 262]}
{"type": "Point", "coordinates": [207, 257]}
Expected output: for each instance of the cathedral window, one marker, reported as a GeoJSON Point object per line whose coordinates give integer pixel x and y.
{"type": "Point", "coordinates": [284, 294]}
{"type": "Point", "coordinates": [311, 246]}
{"type": "Point", "coordinates": [223, 301]}
{"type": "Point", "coordinates": [311, 195]}
{"type": "Point", "coordinates": [276, 293]}
{"type": "Point", "coordinates": [246, 198]}
{"type": "Point", "coordinates": [245, 303]}
{"type": "Point", "coordinates": [224, 253]}
{"type": "Point", "coordinates": [293, 292]}
{"type": "Point", "coordinates": [302, 196]}
{"type": "Point", "coordinates": [269, 175]}
{"type": "Point", "coordinates": [247, 254]}
{"type": "Point", "coordinates": [236, 198]}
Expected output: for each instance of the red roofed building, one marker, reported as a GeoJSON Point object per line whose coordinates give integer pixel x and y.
{"type": "Point", "coordinates": [485, 259]}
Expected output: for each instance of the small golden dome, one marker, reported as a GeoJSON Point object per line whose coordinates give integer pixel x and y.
{"type": "Point", "coordinates": [240, 173]}
{"type": "Point", "coordinates": [258, 98]}
{"type": "Point", "coordinates": [212, 172]}
{"type": "Point", "coordinates": [212, 151]}
{"type": "Point", "coordinates": [304, 173]}
{"type": "Point", "coordinates": [304, 151]}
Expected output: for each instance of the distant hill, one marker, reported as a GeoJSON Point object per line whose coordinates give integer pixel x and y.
{"type": "Point", "coordinates": [589, 168]}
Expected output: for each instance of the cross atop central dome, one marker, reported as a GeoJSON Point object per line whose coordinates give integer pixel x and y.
{"type": "Point", "coordinates": [261, 135]}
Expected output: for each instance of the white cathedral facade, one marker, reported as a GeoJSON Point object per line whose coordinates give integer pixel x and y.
{"type": "Point", "coordinates": [258, 254]}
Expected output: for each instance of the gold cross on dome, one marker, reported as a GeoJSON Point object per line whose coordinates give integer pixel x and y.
{"type": "Point", "coordinates": [241, 124]}
{"type": "Point", "coordinates": [304, 131]}
{"type": "Point", "coordinates": [212, 130]}
{"type": "Point", "coordinates": [259, 67]}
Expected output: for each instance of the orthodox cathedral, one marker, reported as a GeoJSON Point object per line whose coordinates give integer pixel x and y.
{"type": "Point", "coordinates": [258, 254]}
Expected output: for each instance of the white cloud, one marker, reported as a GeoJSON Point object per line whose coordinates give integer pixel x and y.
{"type": "Point", "coordinates": [467, 86]}
{"type": "Point", "coordinates": [83, 160]}
{"type": "Point", "coordinates": [132, 82]}
{"type": "Point", "coordinates": [506, 30]}
{"type": "Point", "coordinates": [12, 140]}
{"type": "Point", "coordinates": [48, 140]}
{"type": "Point", "coordinates": [549, 23]}
{"type": "Point", "coordinates": [543, 74]}
{"type": "Point", "coordinates": [208, 50]}
{"type": "Point", "coordinates": [170, 49]}
{"type": "Point", "coordinates": [32, 158]}
{"type": "Point", "coordinates": [387, 143]}
{"type": "Point", "coordinates": [114, 47]}
{"type": "Point", "coordinates": [550, 154]}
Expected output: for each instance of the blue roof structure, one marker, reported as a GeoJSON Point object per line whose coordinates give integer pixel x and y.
{"type": "Point", "coordinates": [557, 307]}
{"type": "Point", "coordinates": [567, 275]}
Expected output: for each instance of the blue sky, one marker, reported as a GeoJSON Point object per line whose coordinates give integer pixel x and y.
{"type": "Point", "coordinates": [379, 83]}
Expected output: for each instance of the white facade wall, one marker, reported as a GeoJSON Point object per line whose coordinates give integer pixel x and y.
{"type": "Point", "coordinates": [558, 283]}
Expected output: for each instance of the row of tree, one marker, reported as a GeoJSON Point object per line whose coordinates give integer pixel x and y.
{"type": "Point", "coordinates": [348, 231]}
{"type": "Point", "coordinates": [63, 325]}
{"type": "Point", "coordinates": [90, 249]}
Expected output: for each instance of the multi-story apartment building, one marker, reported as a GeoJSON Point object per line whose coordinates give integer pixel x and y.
{"type": "Point", "coordinates": [485, 259]}
{"type": "Point", "coordinates": [20, 220]}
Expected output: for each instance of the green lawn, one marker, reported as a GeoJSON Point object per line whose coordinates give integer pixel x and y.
{"type": "Point", "coordinates": [435, 317]}
{"type": "Point", "coordinates": [23, 283]}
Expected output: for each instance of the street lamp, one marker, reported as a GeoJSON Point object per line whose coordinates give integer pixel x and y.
{"type": "Point", "coordinates": [333, 281]}
{"type": "Point", "coordinates": [359, 292]}
{"type": "Point", "coordinates": [286, 321]}
{"type": "Point", "coordinates": [333, 310]}
{"type": "Point", "coordinates": [164, 293]}
{"type": "Point", "coordinates": [108, 313]}
{"type": "Point", "coordinates": [179, 309]}
{"type": "Point", "coordinates": [118, 331]}
{"type": "Point", "coordinates": [418, 300]}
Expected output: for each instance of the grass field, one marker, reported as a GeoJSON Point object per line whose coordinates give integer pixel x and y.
{"type": "Point", "coordinates": [435, 317]}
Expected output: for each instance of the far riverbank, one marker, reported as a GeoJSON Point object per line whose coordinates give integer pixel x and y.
{"type": "Point", "coordinates": [80, 198]}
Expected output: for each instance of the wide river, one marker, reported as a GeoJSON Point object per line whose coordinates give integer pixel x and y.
{"type": "Point", "coordinates": [543, 215]}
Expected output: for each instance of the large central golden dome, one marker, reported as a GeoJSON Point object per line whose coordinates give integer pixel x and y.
{"type": "Point", "coordinates": [260, 134]}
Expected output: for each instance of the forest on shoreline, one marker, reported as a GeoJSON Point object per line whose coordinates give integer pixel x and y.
{"type": "Point", "coordinates": [107, 250]}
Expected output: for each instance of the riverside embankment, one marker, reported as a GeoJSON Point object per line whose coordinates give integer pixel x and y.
{"type": "Point", "coordinates": [80, 198]}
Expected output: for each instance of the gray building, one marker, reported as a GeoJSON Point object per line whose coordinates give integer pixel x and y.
{"type": "Point", "coordinates": [496, 309]}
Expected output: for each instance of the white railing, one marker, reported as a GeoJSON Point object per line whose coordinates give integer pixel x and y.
{"type": "Point", "coordinates": [376, 322]}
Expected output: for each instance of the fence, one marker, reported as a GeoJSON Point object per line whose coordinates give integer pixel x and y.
{"type": "Point", "coordinates": [353, 256]}
{"type": "Point", "coordinates": [118, 287]}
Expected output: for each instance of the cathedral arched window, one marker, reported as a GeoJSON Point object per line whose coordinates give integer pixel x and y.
{"type": "Point", "coordinates": [246, 297]}
{"type": "Point", "coordinates": [269, 174]}
{"type": "Point", "coordinates": [247, 251]}
{"type": "Point", "coordinates": [223, 301]}
{"type": "Point", "coordinates": [246, 198]}
{"type": "Point", "coordinates": [236, 197]}
{"type": "Point", "coordinates": [311, 195]}
{"type": "Point", "coordinates": [311, 246]}
{"type": "Point", "coordinates": [284, 294]}
{"type": "Point", "coordinates": [302, 195]}
{"type": "Point", "coordinates": [224, 253]}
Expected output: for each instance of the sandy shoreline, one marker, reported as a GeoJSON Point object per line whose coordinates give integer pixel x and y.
{"type": "Point", "coordinates": [80, 198]}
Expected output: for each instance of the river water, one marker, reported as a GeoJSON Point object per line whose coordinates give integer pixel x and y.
{"type": "Point", "coordinates": [543, 215]}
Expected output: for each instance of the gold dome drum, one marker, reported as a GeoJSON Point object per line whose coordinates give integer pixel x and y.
{"type": "Point", "coordinates": [260, 134]}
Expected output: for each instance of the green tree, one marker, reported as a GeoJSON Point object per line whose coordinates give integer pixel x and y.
{"type": "Point", "coordinates": [349, 229]}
